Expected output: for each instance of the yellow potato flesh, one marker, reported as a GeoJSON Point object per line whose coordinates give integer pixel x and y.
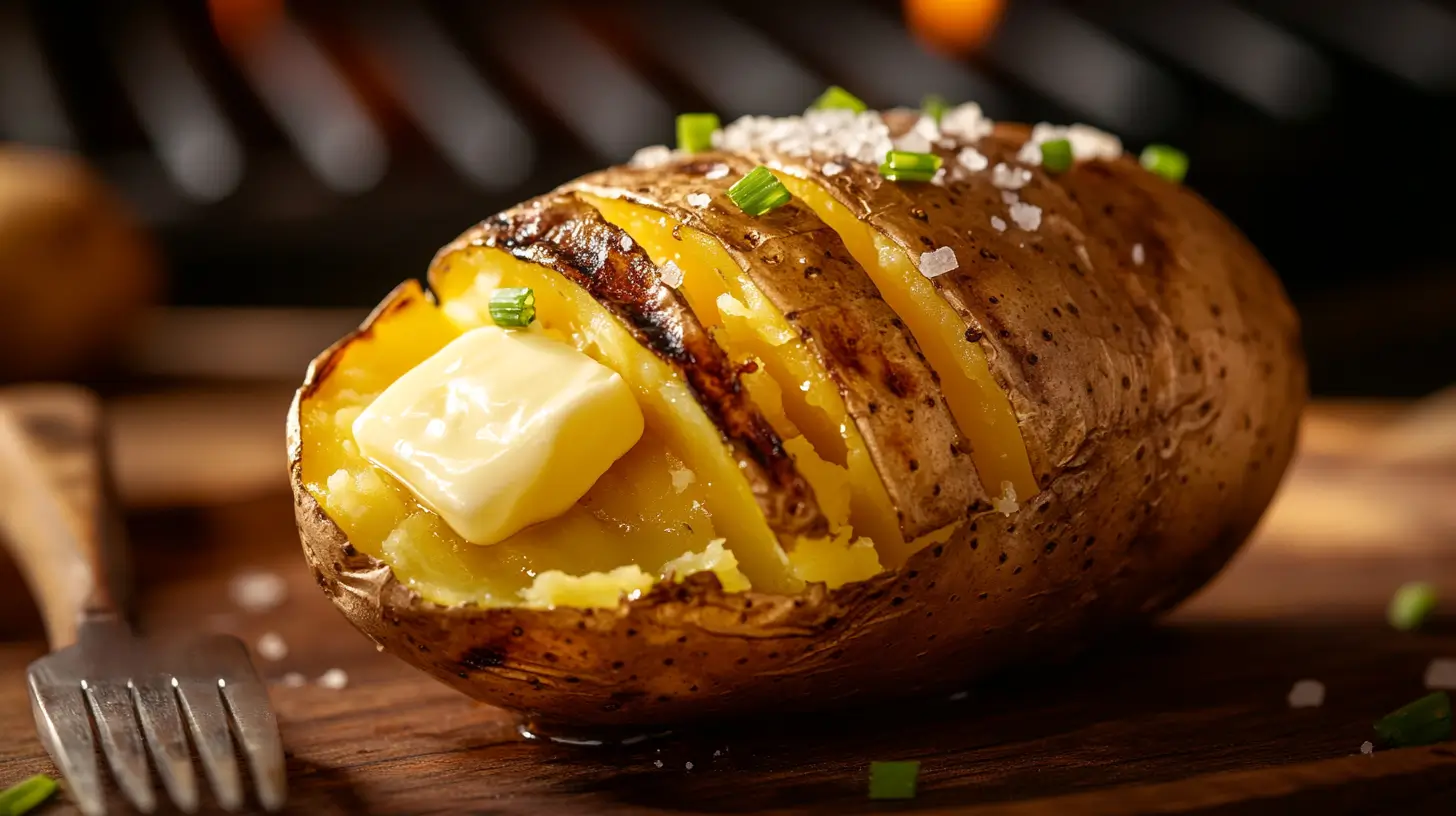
{"type": "Point", "coordinates": [792, 388]}
{"type": "Point", "coordinates": [980, 406]}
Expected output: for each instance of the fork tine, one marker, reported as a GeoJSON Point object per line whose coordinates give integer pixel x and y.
{"type": "Point", "coordinates": [121, 741]}
{"type": "Point", "coordinates": [258, 733]}
{"type": "Point", "coordinates": [61, 721]}
{"type": "Point", "coordinates": [156, 703]}
{"type": "Point", "coordinates": [208, 722]}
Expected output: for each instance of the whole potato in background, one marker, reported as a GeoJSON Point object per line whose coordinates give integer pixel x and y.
{"type": "Point", "coordinates": [76, 270]}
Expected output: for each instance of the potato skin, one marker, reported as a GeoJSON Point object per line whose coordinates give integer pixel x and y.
{"type": "Point", "coordinates": [1145, 494]}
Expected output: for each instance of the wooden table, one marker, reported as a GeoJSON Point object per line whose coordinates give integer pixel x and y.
{"type": "Point", "coordinates": [1189, 716]}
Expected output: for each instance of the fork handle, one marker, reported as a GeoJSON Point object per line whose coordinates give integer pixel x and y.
{"type": "Point", "coordinates": [56, 514]}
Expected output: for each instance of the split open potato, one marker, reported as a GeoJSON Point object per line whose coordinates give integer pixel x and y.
{"type": "Point", "coordinates": [867, 466]}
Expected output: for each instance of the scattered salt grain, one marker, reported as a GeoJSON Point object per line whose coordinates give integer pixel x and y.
{"type": "Point", "coordinates": [1307, 694]}
{"type": "Point", "coordinates": [652, 156]}
{"type": "Point", "coordinates": [717, 171]}
{"type": "Point", "coordinates": [1138, 256]}
{"type": "Point", "coordinates": [334, 679]}
{"type": "Point", "coordinates": [1087, 142]}
{"type": "Point", "coordinates": [938, 262]}
{"type": "Point", "coordinates": [972, 160]}
{"type": "Point", "coordinates": [717, 753]}
{"type": "Point", "coordinates": [626, 243]}
{"type": "Point", "coordinates": [271, 646]}
{"type": "Point", "coordinates": [1006, 502]}
{"type": "Point", "coordinates": [681, 478]}
{"type": "Point", "coordinates": [670, 274]}
{"type": "Point", "coordinates": [920, 136]}
{"type": "Point", "coordinates": [1026, 216]}
{"type": "Point", "coordinates": [939, 178]}
{"type": "Point", "coordinates": [258, 591]}
{"type": "Point", "coordinates": [832, 168]}
{"type": "Point", "coordinates": [1008, 177]}
{"type": "Point", "coordinates": [657, 763]}
{"type": "Point", "coordinates": [999, 223]}
{"type": "Point", "coordinates": [1367, 747]}
{"type": "Point", "coordinates": [1008, 197]}
{"type": "Point", "coordinates": [1441, 674]}
{"type": "Point", "coordinates": [699, 200]}
{"type": "Point", "coordinates": [1029, 154]}
{"type": "Point", "coordinates": [294, 680]}
{"type": "Point", "coordinates": [966, 122]}
{"type": "Point", "coordinates": [689, 765]}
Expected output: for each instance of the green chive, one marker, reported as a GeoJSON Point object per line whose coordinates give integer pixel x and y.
{"type": "Point", "coordinates": [758, 192]}
{"type": "Point", "coordinates": [902, 165]}
{"type": "Point", "coordinates": [837, 98]}
{"type": "Point", "coordinates": [25, 796]}
{"type": "Point", "coordinates": [695, 131]}
{"type": "Point", "coordinates": [1410, 605]}
{"type": "Point", "coordinates": [1426, 721]}
{"type": "Point", "coordinates": [893, 780]}
{"type": "Point", "coordinates": [934, 106]}
{"type": "Point", "coordinates": [513, 308]}
{"type": "Point", "coordinates": [1168, 162]}
{"type": "Point", "coordinates": [1056, 156]}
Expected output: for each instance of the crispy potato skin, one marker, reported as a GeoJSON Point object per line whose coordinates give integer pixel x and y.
{"type": "Point", "coordinates": [803, 268]}
{"type": "Point", "coordinates": [1160, 409]}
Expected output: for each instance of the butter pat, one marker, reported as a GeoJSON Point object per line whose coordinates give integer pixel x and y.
{"type": "Point", "coordinates": [500, 430]}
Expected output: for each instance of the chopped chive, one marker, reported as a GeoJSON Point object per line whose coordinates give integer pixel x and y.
{"type": "Point", "coordinates": [893, 780]}
{"type": "Point", "coordinates": [1423, 722]}
{"type": "Point", "coordinates": [902, 165]}
{"type": "Point", "coordinates": [513, 308]}
{"type": "Point", "coordinates": [1410, 605]}
{"type": "Point", "coordinates": [934, 106]}
{"type": "Point", "coordinates": [24, 796]}
{"type": "Point", "coordinates": [758, 192]}
{"type": "Point", "coordinates": [1056, 156]}
{"type": "Point", "coordinates": [1168, 162]}
{"type": "Point", "coordinates": [695, 131]}
{"type": "Point", "coordinates": [837, 98]}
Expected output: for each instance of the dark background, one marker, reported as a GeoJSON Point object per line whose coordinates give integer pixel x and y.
{"type": "Point", "coordinates": [313, 154]}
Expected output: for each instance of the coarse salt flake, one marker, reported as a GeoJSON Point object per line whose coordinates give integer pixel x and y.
{"type": "Point", "coordinates": [657, 763]}
{"type": "Point", "coordinates": [258, 591]}
{"type": "Point", "coordinates": [670, 274]}
{"type": "Point", "coordinates": [1138, 256]}
{"type": "Point", "coordinates": [939, 178]}
{"type": "Point", "coordinates": [1006, 503]}
{"type": "Point", "coordinates": [271, 646]}
{"type": "Point", "coordinates": [972, 160]}
{"type": "Point", "coordinates": [1441, 674]}
{"type": "Point", "coordinates": [334, 679]}
{"type": "Point", "coordinates": [626, 243]}
{"type": "Point", "coordinates": [652, 156]}
{"type": "Point", "coordinates": [688, 765]}
{"type": "Point", "coordinates": [920, 136]}
{"type": "Point", "coordinates": [1307, 694]}
{"type": "Point", "coordinates": [699, 200]}
{"type": "Point", "coordinates": [1029, 154]}
{"type": "Point", "coordinates": [1009, 197]}
{"type": "Point", "coordinates": [1087, 142]}
{"type": "Point", "coordinates": [832, 168]}
{"type": "Point", "coordinates": [937, 262]}
{"type": "Point", "coordinates": [293, 680]}
{"type": "Point", "coordinates": [717, 171]}
{"type": "Point", "coordinates": [1008, 177]}
{"type": "Point", "coordinates": [681, 478]}
{"type": "Point", "coordinates": [999, 223]}
{"type": "Point", "coordinates": [1026, 216]}
{"type": "Point", "coordinates": [966, 122]}
{"type": "Point", "coordinates": [1367, 747]}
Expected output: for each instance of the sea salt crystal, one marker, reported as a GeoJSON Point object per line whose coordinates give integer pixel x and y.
{"type": "Point", "coordinates": [1006, 502]}
{"type": "Point", "coordinates": [271, 646]}
{"type": "Point", "coordinates": [626, 243]}
{"type": "Point", "coordinates": [1441, 674]}
{"type": "Point", "coordinates": [938, 262]}
{"type": "Point", "coordinates": [1307, 694]}
{"type": "Point", "coordinates": [657, 763]}
{"type": "Point", "coordinates": [717, 753]}
{"type": "Point", "coordinates": [939, 178]}
{"type": "Point", "coordinates": [1367, 747]}
{"type": "Point", "coordinates": [699, 200]}
{"type": "Point", "coordinates": [652, 156]}
{"type": "Point", "coordinates": [972, 160]}
{"type": "Point", "coordinates": [717, 171]}
{"type": "Point", "coordinates": [689, 765]}
{"type": "Point", "coordinates": [832, 168]}
{"type": "Point", "coordinates": [1087, 142]}
{"type": "Point", "coordinates": [671, 274]}
{"type": "Point", "coordinates": [681, 478]}
{"type": "Point", "coordinates": [920, 136]}
{"type": "Point", "coordinates": [1029, 154]}
{"type": "Point", "coordinates": [294, 680]}
{"type": "Point", "coordinates": [999, 223]}
{"type": "Point", "coordinates": [1138, 256]}
{"type": "Point", "coordinates": [966, 122]}
{"type": "Point", "coordinates": [1007, 177]}
{"type": "Point", "coordinates": [1026, 216]}
{"type": "Point", "coordinates": [334, 679]}
{"type": "Point", "coordinates": [1009, 198]}
{"type": "Point", "coordinates": [258, 591]}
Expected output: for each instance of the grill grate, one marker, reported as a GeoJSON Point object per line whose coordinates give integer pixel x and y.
{"type": "Point", "coordinates": [314, 158]}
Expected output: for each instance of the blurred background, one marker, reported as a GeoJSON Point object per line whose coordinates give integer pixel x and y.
{"type": "Point", "coordinates": [287, 163]}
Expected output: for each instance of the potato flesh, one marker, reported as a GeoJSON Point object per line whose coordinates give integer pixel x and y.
{"type": "Point", "coordinates": [791, 387]}
{"type": "Point", "coordinates": [980, 406]}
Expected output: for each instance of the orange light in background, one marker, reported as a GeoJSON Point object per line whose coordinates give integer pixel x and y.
{"type": "Point", "coordinates": [240, 23]}
{"type": "Point", "coordinates": [956, 27]}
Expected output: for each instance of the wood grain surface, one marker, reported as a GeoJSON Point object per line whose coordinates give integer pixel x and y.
{"type": "Point", "coordinates": [1189, 716]}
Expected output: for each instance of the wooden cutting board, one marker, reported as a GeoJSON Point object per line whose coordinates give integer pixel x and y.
{"type": "Point", "coordinates": [1187, 717]}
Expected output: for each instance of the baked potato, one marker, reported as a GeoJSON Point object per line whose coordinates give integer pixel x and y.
{"type": "Point", "coordinates": [895, 434]}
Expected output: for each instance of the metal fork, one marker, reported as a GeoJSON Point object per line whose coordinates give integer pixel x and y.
{"type": "Point", "coordinates": [56, 518]}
